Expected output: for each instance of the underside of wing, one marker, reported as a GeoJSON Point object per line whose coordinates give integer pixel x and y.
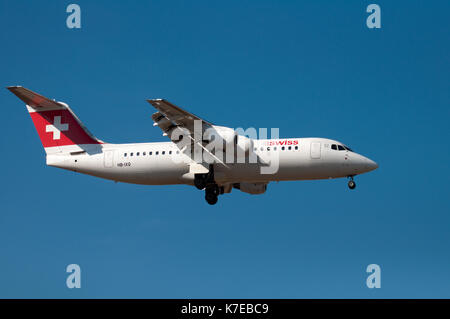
{"type": "Point", "coordinates": [180, 125]}
{"type": "Point", "coordinates": [174, 114]}
{"type": "Point", "coordinates": [193, 135]}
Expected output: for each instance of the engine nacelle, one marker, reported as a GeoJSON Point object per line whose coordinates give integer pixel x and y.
{"type": "Point", "coordinates": [244, 145]}
{"type": "Point", "coordinates": [227, 135]}
{"type": "Point", "coordinates": [251, 188]}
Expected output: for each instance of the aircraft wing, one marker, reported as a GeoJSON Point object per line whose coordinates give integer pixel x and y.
{"type": "Point", "coordinates": [170, 117]}
{"type": "Point", "coordinates": [175, 114]}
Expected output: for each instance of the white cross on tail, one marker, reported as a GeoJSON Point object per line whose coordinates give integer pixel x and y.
{"type": "Point", "coordinates": [57, 127]}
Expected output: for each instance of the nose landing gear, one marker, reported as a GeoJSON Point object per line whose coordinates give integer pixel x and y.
{"type": "Point", "coordinates": [351, 183]}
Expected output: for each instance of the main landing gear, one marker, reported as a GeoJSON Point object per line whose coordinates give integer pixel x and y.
{"type": "Point", "coordinates": [200, 181]}
{"type": "Point", "coordinates": [212, 194]}
{"type": "Point", "coordinates": [206, 182]}
{"type": "Point", "coordinates": [351, 183]}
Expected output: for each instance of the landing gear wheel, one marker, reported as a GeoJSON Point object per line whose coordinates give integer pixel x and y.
{"type": "Point", "coordinates": [200, 182]}
{"type": "Point", "coordinates": [351, 184]}
{"type": "Point", "coordinates": [211, 194]}
{"type": "Point", "coordinates": [211, 198]}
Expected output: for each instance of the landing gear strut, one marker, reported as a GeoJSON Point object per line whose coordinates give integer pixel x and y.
{"type": "Point", "coordinates": [200, 181]}
{"type": "Point", "coordinates": [351, 183]}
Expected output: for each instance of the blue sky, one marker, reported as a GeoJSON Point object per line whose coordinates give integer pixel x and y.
{"type": "Point", "coordinates": [310, 68]}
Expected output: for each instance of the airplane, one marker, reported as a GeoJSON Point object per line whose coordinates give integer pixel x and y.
{"type": "Point", "coordinates": [69, 145]}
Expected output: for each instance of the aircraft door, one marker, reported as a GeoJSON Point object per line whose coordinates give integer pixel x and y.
{"type": "Point", "coordinates": [109, 158]}
{"type": "Point", "coordinates": [315, 150]}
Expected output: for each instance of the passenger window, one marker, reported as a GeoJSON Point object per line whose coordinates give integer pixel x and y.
{"type": "Point", "coordinates": [275, 148]}
{"type": "Point", "coordinates": [170, 152]}
{"type": "Point", "coordinates": [268, 148]}
{"type": "Point", "coordinates": [341, 148]}
{"type": "Point", "coordinates": [178, 152]}
{"type": "Point", "coordinates": [149, 153]}
{"type": "Point", "coordinates": [137, 154]}
{"type": "Point", "coordinates": [333, 147]}
{"type": "Point", "coordinates": [282, 148]}
{"type": "Point", "coordinates": [143, 154]}
{"type": "Point", "coordinates": [131, 154]}
{"type": "Point", "coordinates": [125, 155]}
{"type": "Point", "coordinates": [163, 152]}
{"type": "Point", "coordinates": [289, 148]}
{"type": "Point", "coordinates": [296, 148]}
{"type": "Point", "coordinates": [156, 153]}
{"type": "Point", "coordinates": [262, 148]}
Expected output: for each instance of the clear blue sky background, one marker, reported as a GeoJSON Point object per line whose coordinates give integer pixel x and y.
{"type": "Point", "coordinates": [311, 68]}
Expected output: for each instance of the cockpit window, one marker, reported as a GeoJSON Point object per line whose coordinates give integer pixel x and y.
{"type": "Point", "coordinates": [340, 147]}
{"type": "Point", "coordinates": [348, 148]}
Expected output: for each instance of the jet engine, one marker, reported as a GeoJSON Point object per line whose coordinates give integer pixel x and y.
{"type": "Point", "coordinates": [227, 135]}
{"type": "Point", "coordinates": [241, 145]}
{"type": "Point", "coordinates": [244, 144]}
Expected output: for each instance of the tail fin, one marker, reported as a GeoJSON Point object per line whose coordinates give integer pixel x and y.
{"type": "Point", "coordinates": [58, 127]}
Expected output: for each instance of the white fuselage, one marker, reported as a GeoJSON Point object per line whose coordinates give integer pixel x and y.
{"type": "Point", "coordinates": [213, 158]}
{"type": "Point", "coordinates": [164, 164]}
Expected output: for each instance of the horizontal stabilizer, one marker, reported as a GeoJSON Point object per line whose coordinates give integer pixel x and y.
{"type": "Point", "coordinates": [33, 99]}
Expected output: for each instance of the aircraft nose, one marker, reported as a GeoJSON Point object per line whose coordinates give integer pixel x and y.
{"type": "Point", "coordinates": [371, 165]}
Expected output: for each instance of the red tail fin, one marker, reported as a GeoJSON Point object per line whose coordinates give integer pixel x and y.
{"type": "Point", "coordinates": [55, 123]}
